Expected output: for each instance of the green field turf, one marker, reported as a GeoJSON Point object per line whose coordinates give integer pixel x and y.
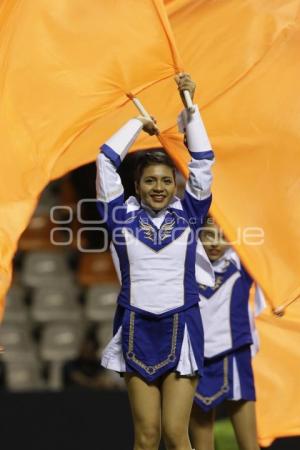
{"type": "Point", "coordinates": [224, 435]}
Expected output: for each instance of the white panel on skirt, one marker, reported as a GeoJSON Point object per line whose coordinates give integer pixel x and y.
{"type": "Point", "coordinates": [237, 393]}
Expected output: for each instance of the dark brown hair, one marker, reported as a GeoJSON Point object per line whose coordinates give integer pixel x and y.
{"type": "Point", "coordinates": [152, 158]}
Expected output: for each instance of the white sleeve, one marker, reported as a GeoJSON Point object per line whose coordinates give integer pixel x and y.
{"type": "Point", "coordinates": [108, 182]}
{"type": "Point", "coordinates": [199, 146]}
{"type": "Point", "coordinates": [259, 306]}
{"type": "Point", "coordinates": [116, 261]}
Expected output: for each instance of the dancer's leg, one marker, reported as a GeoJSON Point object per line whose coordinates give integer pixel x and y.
{"type": "Point", "coordinates": [145, 401]}
{"type": "Point", "coordinates": [202, 428]}
{"type": "Point", "coordinates": [242, 415]}
{"type": "Point", "coordinates": [177, 399]}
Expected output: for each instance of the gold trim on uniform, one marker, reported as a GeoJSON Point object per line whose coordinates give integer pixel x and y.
{"type": "Point", "coordinates": [171, 357]}
{"type": "Point", "coordinates": [223, 389]}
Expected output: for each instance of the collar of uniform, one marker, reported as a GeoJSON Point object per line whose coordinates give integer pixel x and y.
{"type": "Point", "coordinates": [152, 213]}
{"type": "Point", "coordinates": [132, 204]}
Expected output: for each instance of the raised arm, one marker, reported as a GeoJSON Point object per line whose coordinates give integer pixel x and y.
{"type": "Point", "coordinates": [108, 182]}
{"type": "Point", "coordinates": [197, 197]}
{"type": "Point", "coordinates": [109, 189]}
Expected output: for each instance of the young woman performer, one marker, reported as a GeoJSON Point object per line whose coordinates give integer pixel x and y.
{"type": "Point", "coordinates": [228, 334]}
{"type": "Point", "coordinates": [157, 326]}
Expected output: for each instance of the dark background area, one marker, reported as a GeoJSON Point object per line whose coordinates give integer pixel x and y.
{"type": "Point", "coordinates": [74, 420]}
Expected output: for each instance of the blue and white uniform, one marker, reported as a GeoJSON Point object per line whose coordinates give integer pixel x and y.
{"type": "Point", "coordinates": [229, 334]}
{"type": "Point", "coordinates": [157, 325]}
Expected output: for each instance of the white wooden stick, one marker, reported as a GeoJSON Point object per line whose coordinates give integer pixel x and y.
{"type": "Point", "coordinates": [140, 107]}
{"type": "Point", "coordinates": [188, 101]}
{"type": "Point", "coordinates": [142, 111]}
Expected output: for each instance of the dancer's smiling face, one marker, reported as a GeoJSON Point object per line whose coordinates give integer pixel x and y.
{"type": "Point", "coordinates": [156, 186]}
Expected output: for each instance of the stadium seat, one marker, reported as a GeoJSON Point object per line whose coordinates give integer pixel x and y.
{"type": "Point", "coordinates": [37, 234]}
{"type": "Point", "coordinates": [60, 341]}
{"type": "Point", "coordinates": [46, 269]}
{"type": "Point", "coordinates": [101, 302]}
{"type": "Point", "coordinates": [15, 309]}
{"type": "Point", "coordinates": [24, 376]}
{"type": "Point", "coordinates": [56, 303]}
{"type": "Point", "coordinates": [13, 335]}
{"type": "Point", "coordinates": [17, 343]}
{"type": "Point", "coordinates": [95, 268]}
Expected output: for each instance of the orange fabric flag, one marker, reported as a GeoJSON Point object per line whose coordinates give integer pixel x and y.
{"type": "Point", "coordinates": [245, 57]}
{"type": "Point", "coordinates": [245, 61]}
{"type": "Point", "coordinates": [263, 40]}
{"type": "Point", "coordinates": [66, 65]}
{"type": "Point", "coordinates": [277, 374]}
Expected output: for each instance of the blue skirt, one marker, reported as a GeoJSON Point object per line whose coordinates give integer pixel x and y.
{"type": "Point", "coordinates": [229, 377]}
{"type": "Point", "coordinates": [152, 346]}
